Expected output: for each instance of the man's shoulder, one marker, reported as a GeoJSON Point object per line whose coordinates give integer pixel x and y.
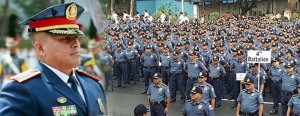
{"type": "Point", "coordinates": [26, 75]}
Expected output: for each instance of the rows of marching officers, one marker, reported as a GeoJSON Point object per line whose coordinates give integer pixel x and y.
{"type": "Point", "coordinates": [192, 56]}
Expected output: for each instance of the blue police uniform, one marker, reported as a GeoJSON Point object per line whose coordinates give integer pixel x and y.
{"type": "Point", "coordinates": [289, 83]}
{"type": "Point", "coordinates": [253, 75]}
{"type": "Point", "coordinates": [208, 91]}
{"type": "Point", "coordinates": [294, 103]}
{"type": "Point", "coordinates": [158, 94]}
{"type": "Point", "coordinates": [249, 102]}
{"type": "Point", "coordinates": [149, 64]}
{"type": "Point", "coordinates": [132, 54]}
{"type": "Point", "coordinates": [121, 67]}
{"type": "Point", "coordinates": [42, 91]}
{"type": "Point", "coordinates": [276, 79]}
{"type": "Point", "coordinates": [177, 78]}
{"type": "Point", "coordinates": [215, 73]}
{"type": "Point", "coordinates": [200, 108]}
{"type": "Point", "coordinates": [106, 62]}
{"type": "Point", "coordinates": [193, 70]}
{"type": "Point", "coordinates": [165, 59]}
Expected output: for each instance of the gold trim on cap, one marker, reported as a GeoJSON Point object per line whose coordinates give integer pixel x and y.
{"type": "Point", "coordinates": [71, 12]}
{"type": "Point", "coordinates": [57, 27]}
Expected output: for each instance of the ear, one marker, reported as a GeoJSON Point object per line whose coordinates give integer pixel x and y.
{"type": "Point", "coordinates": [39, 48]}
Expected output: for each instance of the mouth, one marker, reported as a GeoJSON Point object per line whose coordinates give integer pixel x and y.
{"type": "Point", "coordinates": [75, 53]}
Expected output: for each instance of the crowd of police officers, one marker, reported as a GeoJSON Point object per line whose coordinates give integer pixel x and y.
{"type": "Point", "coordinates": [198, 58]}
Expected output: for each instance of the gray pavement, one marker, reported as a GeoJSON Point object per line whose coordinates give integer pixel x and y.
{"type": "Point", "coordinates": [122, 101]}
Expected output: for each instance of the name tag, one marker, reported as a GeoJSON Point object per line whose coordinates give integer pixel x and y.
{"type": "Point", "coordinates": [69, 110]}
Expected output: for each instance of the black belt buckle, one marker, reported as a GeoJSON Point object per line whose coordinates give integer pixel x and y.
{"type": "Point", "coordinates": [153, 103]}
{"type": "Point", "coordinates": [149, 67]}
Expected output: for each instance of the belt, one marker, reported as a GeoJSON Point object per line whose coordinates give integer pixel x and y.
{"type": "Point", "coordinates": [249, 114]}
{"type": "Point", "coordinates": [295, 114]}
{"type": "Point", "coordinates": [165, 67]}
{"type": "Point", "coordinates": [149, 67]}
{"type": "Point", "coordinates": [156, 103]}
{"type": "Point", "coordinates": [175, 73]}
{"type": "Point", "coordinates": [123, 62]}
{"type": "Point", "coordinates": [288, 92]}
{"type": "Point", "coordinates": [277, 82]}
{"type": "Point", "coordinates": [218, 78]}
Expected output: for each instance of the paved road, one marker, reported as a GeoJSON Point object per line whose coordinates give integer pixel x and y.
{"type": "Point", "coordinates": [122, 101]}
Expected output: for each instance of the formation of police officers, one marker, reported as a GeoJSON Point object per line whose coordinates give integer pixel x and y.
{"type": "Point", "coordinates": [201, 61]}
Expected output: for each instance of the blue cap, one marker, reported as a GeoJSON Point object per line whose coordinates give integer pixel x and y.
{"type": "Point", "coordinates": [59, 20]}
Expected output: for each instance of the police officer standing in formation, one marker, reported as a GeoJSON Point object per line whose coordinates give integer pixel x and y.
{"type": "Point", "coordinates": [290, 81]}
{"type": "Point", "coordinates": [106, 63]}
{"type": "Point", "coordinates": [164, 61]}
{"type": "Point", "coordinates": [216, 73]}
{"type": "Point", "coordinates": [121, 66]}
{"type": "Point", "coordinates": [176, 77]}
{"type": "Point", "coordinates": [250, 101]}
{"type": "Point", "coordinates": [193, 68]}
{"type": "Point", "coordinates": [196, 106]}
{"type": "Point", "coordinates": [132, 56]}
{"type": "Point", "coordinates": [275, 73]}
{"type": "Point", "coordinates": [55, 87]}
{"type": "Point", "coordinates": [149, 61]}
{"type": "Point", "coordinates": [158, 96]}
{"type": "Point", "coordinates": [253, 73]}
{"type": "Point", "coordinates": [294, 104]}
{"type": "Point", "coordinates": [207, 89]}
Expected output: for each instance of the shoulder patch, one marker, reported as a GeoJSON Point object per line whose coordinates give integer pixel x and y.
{"type": "Point", "coordinates": [26, 75]}
{"type": "Point", "coordinates": [88, 75]}
{"type": "Point", "coordinates": [164, 85]}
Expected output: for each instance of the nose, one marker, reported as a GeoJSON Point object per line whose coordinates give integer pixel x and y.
{"type": "Point", "coordinates": [75, 43]}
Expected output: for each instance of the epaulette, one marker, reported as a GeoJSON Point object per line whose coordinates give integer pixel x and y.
{"type": "Point", "coordinates": [243, 90]}
{"type": "Point", "coordinates": [88, 75]}
{"type": "Point", "coordinates": [164, 85]}
{"type": "Point", "coordinates": [26, 75]}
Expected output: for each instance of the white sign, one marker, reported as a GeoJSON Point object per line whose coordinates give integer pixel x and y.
{"type": "Point", "coordinates": [257, 56]}
{"type": "Point", "coordinates": [240, 76]}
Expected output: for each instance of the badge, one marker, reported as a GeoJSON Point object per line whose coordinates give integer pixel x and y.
{"type": "Point", "coordinates": [252, 94]}
{"type": "Point", "coordinates": [101, 106]}
{"type": "Point", "coordinates": [196, 65]}
{"type": "Point", "coordinates": [205, 88]}
{"type": "Point", "coordinates": [200, 107]}
{"type": "Point", "coordinates": [293, 76]}
{"type": "Point", "coordinates": [71, 12]}
{"type": "Point", "coordinates": [178, 62]}
{"type": "Point", "coordinates": [61, 100]}
{"type": "Point", "coordinates": [279, 70]}
{"type": "Point", "coordinates": [160, 89]}
{"type": "Point", "coordinates": [151, 56]}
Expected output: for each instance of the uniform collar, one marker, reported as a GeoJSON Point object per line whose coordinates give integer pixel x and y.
{"type": "Point", "coordinates": [253, 90]}
{"type": "Point", "coordinates": [62, 75]}
{"type": "Point", "coordinates": [159, 85]}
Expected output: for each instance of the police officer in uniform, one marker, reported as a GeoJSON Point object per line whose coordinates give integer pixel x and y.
{"type": "Point", "coordinates": [55, 87]}
{"type": "Point", "coordinates": [250, 101]}
{"type": "Point", "coordinates": [207, 89]}
{"type": "Point", "coordinates": [132, 55]}
{"type": "Point", "coordinates": [164, 62]}
{"type": "Point", "coordinates": [216, 73]}
{"type": "Point", "coordinates": [193, 68]}
{"type": "Point", "coordinates": [12, 63]}
{"type": "Point", "coordinates": [121, 66]}
{"type": "Point", "coordinates": [290, 80]}
{"type": "Point", "coordinates": [294, 104]}
{"type": "Point", "coordinates": [275, 73]}
{"type": "Point", "coordinates": [149, 61]}
{"type": "Point", "coordinates": [106, 63]}
{"type": "Point", "coordinates": [158, 96]}
{"type": "Point", "coordinates": [177, 77]}
{"type": "Point", "coordinates": [196, 106]}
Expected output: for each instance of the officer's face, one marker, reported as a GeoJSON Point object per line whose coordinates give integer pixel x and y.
{"type": "Point", "coordinates": [129, 46]}
{"type": "Point", "coordinates": [254, 68]}
{"type": "Point", "coordinates": [157, 80]}
{"type": "Point", "coordinates": [298, 88]}
{"type": "Point", "coordinates": [166, 50]}
{"type": "Point", "coordinates": [58, 51]}
{"type": "Point", "coordinates": [195, 96]}
{"type": "Point", "coordinates": [249, 86]}
{"type": "Point", "coordinates": [240, 57]}
{"type": "Point", "coordinates": [201, 79]}
{"type": "Point", "coordinates": [289, 69]}
{"type": "Point", "coordinates": [175, 56]}
{"type": "Point", "coordinates": [275, 63]}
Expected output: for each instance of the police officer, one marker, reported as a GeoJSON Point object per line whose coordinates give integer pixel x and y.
{"type": "Point", "coordinates": [250, 101]}
{"type": "Point", "coordinates": [12, 63]}
{"type": "Point", "coordinates": [158, 96]}
{"type": "Point", "coordinates": [106, 63]}
{"type": "Point", "coordinates": [132, 55]}
{"type": "Point", "coordinates": [216, 73]}
{"type": "Point", "coordinates": [196, 106]}
{"type": "Point", "coordinates": [275, 73]}
{"type": "Point", "coordinates": [149, 61]}
{"type": "Point", "coordinates": [294, 104]}
{"type": "Point", "coordinates": [164, 62]}
{"type": "Point", "coordinates": [193, 68]}
{"type": "Point", "coordinates": [238, 65]}
{"type": "Point", "coordinates": [253, 73]}
{"type": "Point", "coordinates": [207, 89]}
{"type": "Point", "coordinates": [121, 66]}
{"type": "Point", "coordinates": [290, 80]}
{"type": "Point", "coordinates": [55, 87]}
{"type": "Point", "coordinates": [177, 77]}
